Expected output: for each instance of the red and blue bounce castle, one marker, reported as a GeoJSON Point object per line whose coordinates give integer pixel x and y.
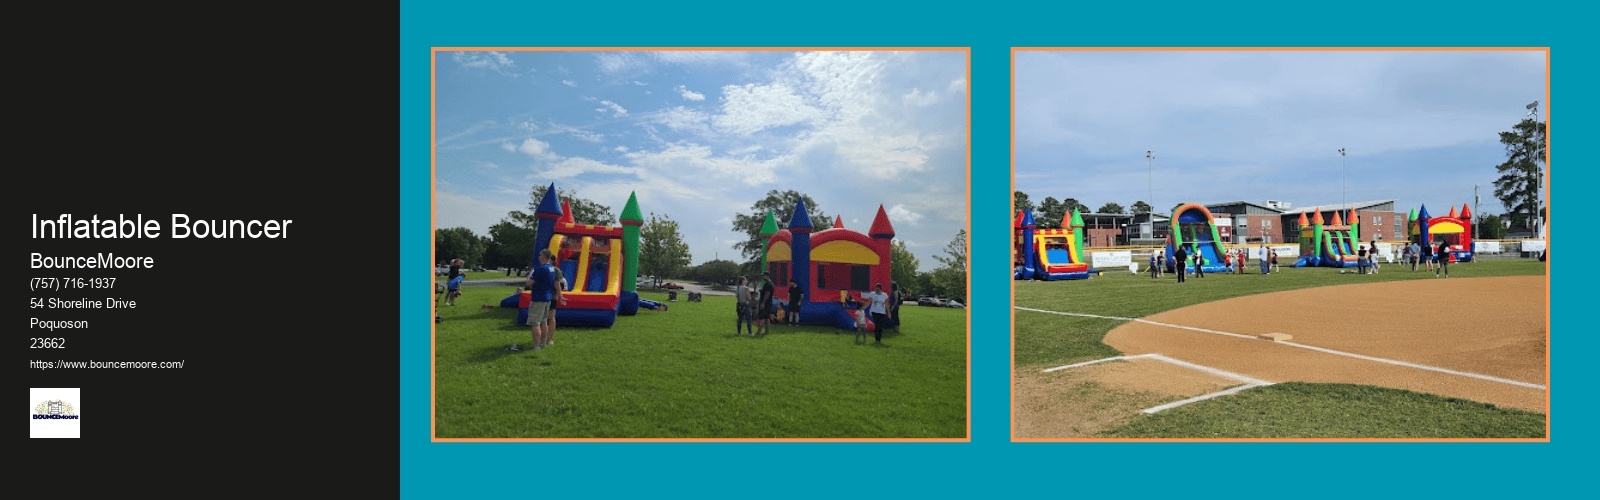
{"type": "Point", "coordinates": [829, 265]}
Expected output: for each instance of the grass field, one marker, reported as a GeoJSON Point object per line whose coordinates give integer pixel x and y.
{"type": "Point", "coordinates": [1302, 410]}
{"type": "Point", "coordinates": [683, 374]}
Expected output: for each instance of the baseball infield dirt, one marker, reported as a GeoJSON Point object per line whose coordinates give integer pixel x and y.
{"type": "Point", "coordinates": [1085, 400]}
{"type": "Point", "coordinates": [1488, 326]}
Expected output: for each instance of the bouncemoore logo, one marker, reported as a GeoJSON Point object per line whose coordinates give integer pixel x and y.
{"type": "Point", "coordinates": [54, 409]}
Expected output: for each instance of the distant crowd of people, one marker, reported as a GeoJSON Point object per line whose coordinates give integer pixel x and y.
{"type": "Point", "coordinates": [758, 306]}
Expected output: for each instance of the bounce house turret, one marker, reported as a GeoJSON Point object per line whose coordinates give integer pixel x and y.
{"type": "Point", "coordinates": [1422, 226]}
{"type": "Point", "coordinates": [548, 213]}
{"type": "Point", "coordinates": [1025, 230]}
{"type": "Point", "coordinates": [1355, 226]}
{"type": "Point", "coordinates": [838, 222]}
{"type": "Point", "coordinates": [1076, 226]}
{"type": "Point", "coordinates": [631, 221]}
{"type": "Point", "coordinates": [769, 227]}
{"type": "Point", "coordinates": [800, 253]}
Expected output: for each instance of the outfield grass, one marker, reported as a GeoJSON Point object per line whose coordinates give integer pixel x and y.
{"type": "Point", "coordinates": [1305, 410]}
{"type": "Point", "coordinates": [683, 374]}
{"type": "Point", "coordinates": [1283, 410]}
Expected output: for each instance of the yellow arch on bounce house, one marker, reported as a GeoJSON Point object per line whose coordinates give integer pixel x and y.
{"type": "Point", "coordinates": [846, 252]}
{"type": "Point", "coordinates": [779, 251]}
{"type": "Point", "coordinates": [1445, 228]}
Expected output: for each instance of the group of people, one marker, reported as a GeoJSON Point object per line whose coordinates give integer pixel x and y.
{"type": "Point", "coordinates": [1428, 256]}
{"type": "Point", "coordinates": [756, 312]}
{"type": "Point", "coordinates": [1183, 256]}
{"type": "Point", "coordinates": [544, 284]}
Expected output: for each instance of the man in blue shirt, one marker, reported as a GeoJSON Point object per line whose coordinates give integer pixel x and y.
{"type": "Point", "coordinates": [542, 290]}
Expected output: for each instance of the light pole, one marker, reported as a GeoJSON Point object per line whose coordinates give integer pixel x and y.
{"type": "Point", "coordinates": [1536, 217]}
{"type": "Point", "coordinates": [1150, 215]}
{"type": "Point", "coordinates": [1341, 177]}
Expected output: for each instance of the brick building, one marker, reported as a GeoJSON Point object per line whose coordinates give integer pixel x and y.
{"type": "Point", "coordinates": [1242, 222]}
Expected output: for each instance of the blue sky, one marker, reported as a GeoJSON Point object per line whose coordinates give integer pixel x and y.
{"type": "Point", "coordinates": [701, 136]}
{"type": "Point", "coordinates": [1420, 127]}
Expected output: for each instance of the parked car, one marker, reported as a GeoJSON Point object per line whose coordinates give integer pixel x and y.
{"type": "Point", "coordinates": [441, 271]}
{"type": "Point", "coordinates": [956, 304]}
{"type": "Point", "coordinates": [478, 268]}
{"type": "Point", "coordinates": [671, 286]}
{"type": "Point", "coordinates": [931, 302]}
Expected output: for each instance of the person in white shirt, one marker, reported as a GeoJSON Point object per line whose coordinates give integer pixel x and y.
{"type": "Point", "coordinates": [880, 303]}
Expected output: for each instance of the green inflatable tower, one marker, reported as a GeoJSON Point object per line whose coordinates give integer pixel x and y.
{"type": "Point", "coordinates": [631, 220]}
{"type": "Point", "coordinates": [769, 227]}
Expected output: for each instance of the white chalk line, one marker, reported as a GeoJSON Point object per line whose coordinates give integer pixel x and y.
{"type": "Point", "coordinates": [1250, 383]}
{"type": "Point", "coordinates": [1490, 378]}
{"type": "Point", "coordinates": [1176, 404]}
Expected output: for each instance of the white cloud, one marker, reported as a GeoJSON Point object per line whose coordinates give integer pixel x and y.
{"type": "Point", "coordinates": [532, 147]}
{"type": "Point", "coordinates": [616, 110]}
{"type": "Point", "coordinates": [497, 62]}
{"type": "Point", "coordinates": [681, 118]}
{"type": "Point", "coordinates": [575, 166]}
{"type": "Point", "coordinates": [569, 83]}
{"type": "Point", "coordinates": [699, 57]}
{"type": "Point", "coordinates": [698, 161]}
{"type": "Point", "coordinates": [613, 62]}
{"type": "Point", "coordinates": [958, 85]}
{"type": "Point", "coordinates": [919, 98]}
{"type": "Point", "coordinates": [488, 164]}
{"type": "Point", "coordinates": [752, 108]}
{"type": "Point", "coordinates": [639, 83]}
{"type": "Point", "coordinates": [577, 132]}
{"type": "Point", "coordinates": [690, 94]}
{"type": "Point", "coordinates": [744, 150]}
{"type": "Point", "coordinates": [528, 126]}
{"type": "Point", "coordinates": [620, 149]}
{"type": "Point", "coordinates": [899, 213]}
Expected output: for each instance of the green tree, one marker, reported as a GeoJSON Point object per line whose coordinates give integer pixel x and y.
{"type": "Point", "coordinates": [458, 243]}
{"type": "Point", "coordinates": [902, 264]}
{"type": "Point", "coordinates": [716, 271]}
{"type": "Point", "coordinates": [1175, 208]}
{"type": "Point", "coordinates": [662, 251]}
{"type": "Point", "coordinates": [781, 204]}
{"type": "Point", "coordinates": [1140, 207]}
{"type": "Point", "coordinates": [1491, 227]}
{"type": "Point", "coordinates": [951, 277]}
{"type": "Point", "coordinates": [1070, 204]}
{"type": "Point", "coordinates": [513, 243]}
{"type": "Point", "coordinates": [1050, 213]}
{"type": "Point", "coordinates": [1019, 202]}
{"type": "Point", "coordinates": [1521, 173]}
{"type": "Point", "coordinates": [1109, 208]}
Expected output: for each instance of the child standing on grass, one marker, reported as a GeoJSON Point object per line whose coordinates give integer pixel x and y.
{"type": "Point", "coordinates": [742, 295]}
{"type": "Point", "coordinates": [764, 305]}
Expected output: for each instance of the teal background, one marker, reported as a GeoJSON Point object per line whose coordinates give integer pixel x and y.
{"type": "Point", "coordinates": [990, 463]}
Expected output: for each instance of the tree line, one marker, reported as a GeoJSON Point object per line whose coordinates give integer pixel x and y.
{"type": "Point", "coordinates": [663, 253]}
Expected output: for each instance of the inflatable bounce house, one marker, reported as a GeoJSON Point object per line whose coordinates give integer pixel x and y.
{"type": "Point", "coordinates": [1194, 229]}
{"type": "Point", "coordinates": [600, 263]}
{"type": "Point", "coordinates": [1329, 245]}
{"type": "Point", "coordinates": [829, 265]}
{"type": "Point", "coordinates": [1048, 254]}
{"type": "Point", "coordinates": [1452, 229]}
